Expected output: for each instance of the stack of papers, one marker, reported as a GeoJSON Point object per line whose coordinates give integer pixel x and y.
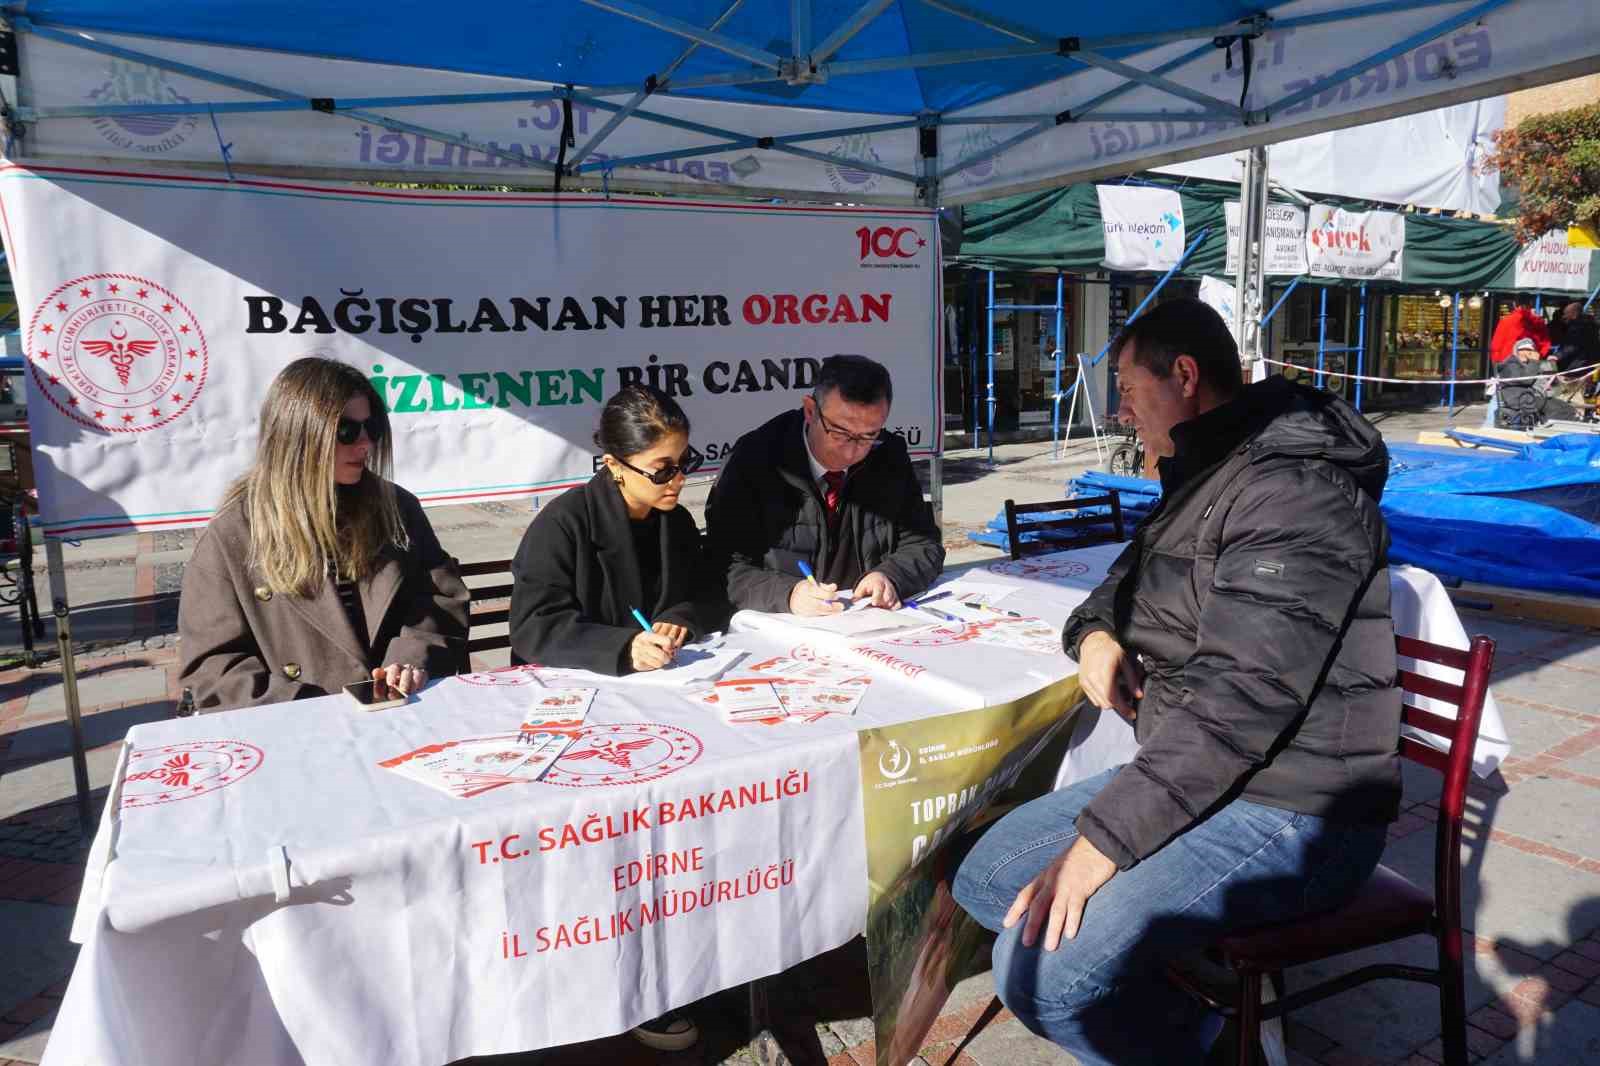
{"type": "Point", "coordinates": [693, 663]}
{"type": "Point", "coordinates": [788, 690]}
{"type": "Point", "coordinates": [475, 765]}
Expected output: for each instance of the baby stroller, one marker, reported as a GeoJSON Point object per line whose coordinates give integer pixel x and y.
{"type": "Point", "coordinates": [1526, 393]}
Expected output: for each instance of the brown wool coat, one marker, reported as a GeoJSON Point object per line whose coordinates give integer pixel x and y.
{"type": "Point", "coordinates": [241, 644]}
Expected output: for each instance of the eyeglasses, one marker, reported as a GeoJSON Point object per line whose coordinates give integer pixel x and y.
{"type": "Point", "coordinates": [859, 440]}
{"type": "Point", "coordinates": [349, 430]}
{"type": "Point", "coordinates": [687, 463]}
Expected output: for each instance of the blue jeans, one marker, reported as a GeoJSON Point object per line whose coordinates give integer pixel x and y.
{"type": "Point", "coordinates": [1102, 995]}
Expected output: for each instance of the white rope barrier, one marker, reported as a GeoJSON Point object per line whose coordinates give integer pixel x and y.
{"type": "Point", "coordinates": [1577, 371]}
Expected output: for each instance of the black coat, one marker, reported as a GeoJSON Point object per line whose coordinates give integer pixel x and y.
{"type": "Point", "coordinates": [576, 577]}
{"type": "Point", "coordinates": [765, 515]}
{"type": "Point", "coordinates": [1257, 596]}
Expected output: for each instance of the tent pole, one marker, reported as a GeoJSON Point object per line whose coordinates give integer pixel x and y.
{"type": "Point", "coordinates": [1322, 334]}
{"type": "Point", "coordinates": [1455, 348]}
{"type": "Point", "coordinates": [1592, 295]}
{"type": "Point", "coordinates": [1251, 277]}
{"type": "Point", "coordinates": [1361, 345]}
{"type": "Point", "coordinates": [989, 349]}
{"type": "Point", "coordinates": [69, 678]}
{"type": "Point", "coordinates": [928, 164]}
{"type": "Point", "coordinates": [1055, 356]}
{"type": "Point", "coordinates": [1137, 311]}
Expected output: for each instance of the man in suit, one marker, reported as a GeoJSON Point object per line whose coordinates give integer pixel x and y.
{"type": "Point", "coordinates": [826, 486]}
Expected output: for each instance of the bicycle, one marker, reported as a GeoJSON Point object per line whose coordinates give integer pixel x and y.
{"type": "Point", "coordinates": [1127, 458]}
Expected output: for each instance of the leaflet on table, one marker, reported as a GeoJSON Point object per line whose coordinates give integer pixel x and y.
{"type": "Point", "coordinates": [1023, 634]}
{"type": "Point", "coordinates": [694, 663]}
{"type": "Point", "coordinates": [782, 689]}
{"type": "Point", "coordinates": [471, 766]}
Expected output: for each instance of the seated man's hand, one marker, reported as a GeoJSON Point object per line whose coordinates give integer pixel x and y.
{"type": "Point", "coordinates": [808, 598]}
{"type": "Point", "coordinates": [1110, 677]}
{"type": "Point", "coordinates": [878, 590]}
{"type": "Point", "coordinates": [1056, 898]}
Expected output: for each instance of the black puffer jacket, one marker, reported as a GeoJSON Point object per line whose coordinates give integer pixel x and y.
{"type": "Point", "coordinates": [1257, 597]}
{"type": "Point", "coordinates": [765, 515]}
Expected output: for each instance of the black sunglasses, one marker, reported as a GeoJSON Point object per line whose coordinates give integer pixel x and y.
{"type": "Point", "coordinates": [690, 461]}
{"type": "Point", "coordinates": [349, 430]}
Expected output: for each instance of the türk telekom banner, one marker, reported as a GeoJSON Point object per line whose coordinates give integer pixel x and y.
{"type": "Point", "coordinates": [155, 312]}
{"type": "Point", "coordinates": [1143, 227]}
{"type": "Point", "coordinates": [1366, 245]}
{"type": "Point", "coordinates": [1552, 263]}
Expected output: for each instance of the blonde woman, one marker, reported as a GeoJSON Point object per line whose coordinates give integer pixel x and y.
{"type": "Point", "coordinates": [318, 571]}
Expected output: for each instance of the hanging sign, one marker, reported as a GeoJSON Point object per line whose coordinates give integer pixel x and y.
{"type": "Point", "coordinates": [155, 313]}
{"type": "Point", "coordinates": [1551, 262]}
{"type": "Point", "coordinates": [1285, 251]}
{"type": "Point", "coordinates": [1143, 227]}
{"type": "Point", "coordinates": [1364, 245]}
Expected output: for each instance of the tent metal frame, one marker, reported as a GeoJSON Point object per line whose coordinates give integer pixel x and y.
{"type": "Point", "coordinates": [811, 64]}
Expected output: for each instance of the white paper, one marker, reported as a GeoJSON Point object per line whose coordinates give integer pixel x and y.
{"type": "Point", "coordinates": [693, 663]}
{"type": "Point", "coordinates": [859, 623]}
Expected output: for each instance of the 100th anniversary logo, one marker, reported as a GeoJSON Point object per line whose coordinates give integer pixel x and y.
{"type": "Point", "coordinates": [117, 352]}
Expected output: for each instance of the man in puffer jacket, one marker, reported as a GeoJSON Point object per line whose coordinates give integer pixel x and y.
{"type": "Point", "coordinates": [1246, 632]}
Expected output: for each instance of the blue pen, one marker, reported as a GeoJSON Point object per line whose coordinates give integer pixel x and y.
{"type": "Point", "coordinates": [930, 599]}
{"type": "Point", "coordinates": [805, 568]}
{"type": "Point", "coordinates": [938, 613]}
{"type": "Point", "coordinates": [643, 623]}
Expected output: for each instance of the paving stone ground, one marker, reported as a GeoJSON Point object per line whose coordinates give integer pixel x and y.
{"type": "Point", "coordinates": [1531, 873]}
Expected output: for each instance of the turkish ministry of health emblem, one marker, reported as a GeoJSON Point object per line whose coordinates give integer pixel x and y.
{"type": "Point", "coordinates": [183, 771]}
{"type": "Point", "coordinates": [624, 755]}
{"type": "Point", "coordinates": [117, 352]}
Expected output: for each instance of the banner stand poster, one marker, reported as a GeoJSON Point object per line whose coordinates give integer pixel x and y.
{"type": "Point", "coordinates": [926, 786]}
{"type": "Point", "coordinates": [155, 311]}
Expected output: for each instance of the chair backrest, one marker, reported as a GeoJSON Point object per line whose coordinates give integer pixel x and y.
{"type": "Point", "coordinates": [484, 609]}
{"type": "Point", "coordinates": [1456, 763]}
{"type": "Point", "coordinates": [1080, 520]}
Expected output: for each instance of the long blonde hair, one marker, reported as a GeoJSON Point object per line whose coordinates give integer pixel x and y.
{"type": "Point", "coordinates": [301, 526]}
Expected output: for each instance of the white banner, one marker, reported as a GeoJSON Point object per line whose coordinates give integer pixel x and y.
{"type": "Point", "coordinates": [1285, 251]}
{"type": "Point", "coordinates": [1223, 299]}
{"type": "Point", "coordinates": [1552, 263]}
{"type": "Point", "coordinates": [1355, 244]}
{"type": "Point", "coordinates": [1431, 160]}
{"type": "Point", "coordinates": [156, 311]}
{"type": "Point", "coordinates": [1143, 227]}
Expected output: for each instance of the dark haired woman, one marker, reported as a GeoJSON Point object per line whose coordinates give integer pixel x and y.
{"type": "Point", "coordinates": [618, 544]}
{"type": "Point", "coordinates": [318, 571]}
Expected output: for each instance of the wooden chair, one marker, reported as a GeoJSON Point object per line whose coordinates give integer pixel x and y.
{"type": "Point", "coordinates": [1389, 906]}
{"type": "Point", "coordinates": [1078, 521]}
{"type": "Point", "coordinates": [481, 612]}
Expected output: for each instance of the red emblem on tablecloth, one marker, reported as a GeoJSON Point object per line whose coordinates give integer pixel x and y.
{"type": "Point", "coordinates": [117, 352]}
{"type": "Point", "coordinates": [506, 676]}
{"type": "Point", "coordinates": [1043, 568]}
{"type": "Point", "coordinates": [623, 755]}
{"type": "Point", "coordinates": [183, 771]}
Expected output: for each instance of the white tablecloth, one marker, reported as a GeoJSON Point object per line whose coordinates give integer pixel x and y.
{"type": "Point", "coordinates": [262, 891]}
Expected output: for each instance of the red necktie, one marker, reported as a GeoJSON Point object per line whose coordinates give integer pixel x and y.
{"type": "Point", "coordinates": [834, 480]}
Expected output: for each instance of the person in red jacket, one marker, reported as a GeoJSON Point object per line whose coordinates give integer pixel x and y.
{"type": "Point", "coordinates": [1522, 322]}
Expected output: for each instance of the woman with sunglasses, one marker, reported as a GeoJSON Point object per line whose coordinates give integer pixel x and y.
{"type": "Point", "coordinates": [616, 545]}
{"type": "Point", "coordinates": [317, 570]}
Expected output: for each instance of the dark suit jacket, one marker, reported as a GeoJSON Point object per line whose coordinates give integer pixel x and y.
{"type": "Point", "coordinates": [765, 515]}
{"type": "Point", "coordinates": [242, 644]}
{"type": "Point", "coordinates": [576, 577]}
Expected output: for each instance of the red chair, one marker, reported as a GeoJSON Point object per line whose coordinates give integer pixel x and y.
{"type": "Point", "coordinates": [1388, 907]}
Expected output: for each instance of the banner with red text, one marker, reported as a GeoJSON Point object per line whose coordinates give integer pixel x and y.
{"type": "Point", "coordinates": [155, 312]}
{"type": "Point", "coordinates": [1365, 245]}
{"type": "Point", "coordinates": [922, 784]}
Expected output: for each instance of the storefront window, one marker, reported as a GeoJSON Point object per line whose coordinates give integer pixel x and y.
{"type": "Point", "coordinates": [1418, 332]}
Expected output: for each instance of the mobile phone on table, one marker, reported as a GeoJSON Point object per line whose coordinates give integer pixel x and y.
{"type": "Point", "coordinates": [375, 695]}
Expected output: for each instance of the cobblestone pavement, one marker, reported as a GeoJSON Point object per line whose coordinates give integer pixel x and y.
{"type": "Point", "coordinates": [1531, 874]}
